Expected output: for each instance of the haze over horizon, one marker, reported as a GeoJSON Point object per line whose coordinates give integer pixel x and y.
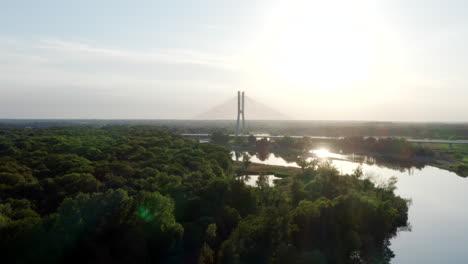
{"type": "Point", "coordinates": [309, 60]}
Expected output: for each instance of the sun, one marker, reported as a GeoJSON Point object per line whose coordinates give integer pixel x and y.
{"type": "Point", "coordinates": [323, 45]}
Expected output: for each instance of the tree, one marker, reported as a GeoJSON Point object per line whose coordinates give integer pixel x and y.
{"type": "Point", "coordinates": [206, 255]}
{"type": "Point", "coordinates": [246, 160]}
{"type": "Point", "coordinates": [252, 140]}
{"type": "Point", "coordinates": [220, 137]}
{"type": "Point", "coordinates": [303, 163]}
{"type": "Point", "coordinates": [358, 172]}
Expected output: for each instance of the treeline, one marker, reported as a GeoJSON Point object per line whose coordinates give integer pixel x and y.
{"type": "Point", "coordinates": [275, 127]}
{"type": "Point", "coordinates": [264, 144]}
{"type": "Point", "coordinates": [387, 146]}
{"type": "Point", "coordinates": [123, 194]}
{"type": "Point", "coordinates": [398, 147]}
{"type": "Point", "coordinates": [361, 129]}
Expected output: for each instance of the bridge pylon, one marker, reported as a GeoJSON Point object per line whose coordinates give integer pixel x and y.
{"type": "Point", "coordinates": [240, 112]}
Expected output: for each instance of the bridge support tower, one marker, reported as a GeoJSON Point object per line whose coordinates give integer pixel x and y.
{"type": "Point", "coordinates": [240, 112]}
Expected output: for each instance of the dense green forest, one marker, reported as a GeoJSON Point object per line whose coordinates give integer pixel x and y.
{"type": "Point", "coordinates": [139, 194]}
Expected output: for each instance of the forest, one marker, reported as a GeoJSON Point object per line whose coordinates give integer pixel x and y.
{"type": "Point", "coordinates": [141, 194]}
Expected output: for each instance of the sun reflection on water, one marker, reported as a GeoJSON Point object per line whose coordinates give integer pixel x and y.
{"type": "Point", "coordinates": [322, 153]}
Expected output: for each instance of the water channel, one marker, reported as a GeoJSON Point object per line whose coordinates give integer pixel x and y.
{"type": "Point", "coordinates": [437, 214]}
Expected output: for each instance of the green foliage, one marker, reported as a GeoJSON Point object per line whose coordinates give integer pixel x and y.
{"type": "Point", "coordinates": [126, 194]}
{"type": "Point", "coordinates": [390, 146]}
{"type": "Point", "coordinates": [246, 160]}
{"type": "Point", "coordinates": [206, 255]}
{"type": "Point", "coordinates": [220, 137]}
{"type": "Point", "coordinates": [252, 140]}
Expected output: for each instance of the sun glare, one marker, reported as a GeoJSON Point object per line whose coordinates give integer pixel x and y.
{"type": "Point", "coordinates": [322, 153]}
{"type": "Point", "coordinates": [320, 45]}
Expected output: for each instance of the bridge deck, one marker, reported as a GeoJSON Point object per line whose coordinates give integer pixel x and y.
{"type": "Point", "coordinates": [423, 141]}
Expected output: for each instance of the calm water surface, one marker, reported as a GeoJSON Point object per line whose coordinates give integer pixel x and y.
{"type": "Point", "coordinates": [252, 179]}
{"type": "Point", "coordinates": [437, 215]}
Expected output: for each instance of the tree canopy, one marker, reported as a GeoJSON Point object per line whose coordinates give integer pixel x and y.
{"type": "Point", "coordinates": [127, 194]}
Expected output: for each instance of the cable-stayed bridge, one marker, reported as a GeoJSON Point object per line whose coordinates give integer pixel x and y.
{"type": "Point", "coordinates": [255, 118]}
{"type": "Point", "coordinates": [242, 116]}
{"type": "Point", "coordinates": [427, 141]}
{"type": "Point", "coordinates": [262, 120]}
{"type": "Point", "coordinates": [254, 110]}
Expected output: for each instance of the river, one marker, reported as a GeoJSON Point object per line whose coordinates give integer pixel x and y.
{"type": "Point", "coordinates": [437, 214]}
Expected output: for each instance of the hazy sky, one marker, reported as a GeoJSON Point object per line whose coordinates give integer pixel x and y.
{"type": "Point", "coordinates": [402, 60]}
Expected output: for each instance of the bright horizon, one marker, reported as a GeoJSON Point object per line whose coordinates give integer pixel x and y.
{"type": "Point", "coordinates": [309, 60]}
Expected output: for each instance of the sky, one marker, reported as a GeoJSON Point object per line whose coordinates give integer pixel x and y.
{"type": "Point", "coordinates": [394, 60]}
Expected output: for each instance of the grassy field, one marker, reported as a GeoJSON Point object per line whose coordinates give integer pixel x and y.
{"type": "Point", "coordinates": [453, 157]}
{"type": "Point", "coordinates": [257, 168]}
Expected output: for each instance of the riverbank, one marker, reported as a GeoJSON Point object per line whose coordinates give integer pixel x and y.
{"type": "Point", "coordinates": [440, 159]}
{"type": "Point", "coordinates": [451, 157]}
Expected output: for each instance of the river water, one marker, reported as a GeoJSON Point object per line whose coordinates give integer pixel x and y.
{"type": "Point", "coordinates": [438, 214]}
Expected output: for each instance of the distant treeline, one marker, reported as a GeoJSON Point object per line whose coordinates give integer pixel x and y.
{"type": "Point", "coordinates": [397, 147]}
{"type": "Point", "coordinates": [122, 194]}
{"type": "Point", "coordinates": [275, 127]}
{"type": "Point", "coordinates": [362, 129]}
